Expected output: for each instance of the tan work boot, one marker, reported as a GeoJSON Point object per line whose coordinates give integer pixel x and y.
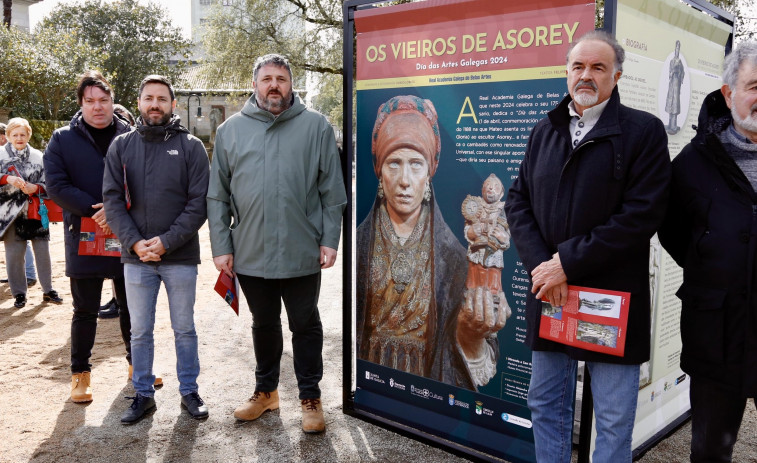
{"type": "Point", "coordinates": [80, 390]}
{"type": "Point", "coordinates": [158, 380]}
{"type": "Point", "coordinates": [257, 405]}
{"type": "Point", "coordinates": [312, 416]}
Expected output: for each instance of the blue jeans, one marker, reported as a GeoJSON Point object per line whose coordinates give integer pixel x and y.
{"type": "Point", "coordinates": [31, 274]}
{"type": "Point", "coordinates": [551, 396]}
{"type": "Point", "coordinates": [142, 286]}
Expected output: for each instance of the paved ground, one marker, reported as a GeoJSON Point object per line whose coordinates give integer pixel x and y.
{"type": "Point", "coordinates": [39, 423]}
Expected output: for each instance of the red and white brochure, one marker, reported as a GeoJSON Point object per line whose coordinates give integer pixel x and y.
{"type": "Point", "coordinates": [592, 319]}
{"type": "Point", "coordinates": [94, 242]}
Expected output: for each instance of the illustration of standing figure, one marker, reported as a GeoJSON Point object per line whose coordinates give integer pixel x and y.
{"type": "Point", "coordinates": [673, 101]}
{"type": "Point", "coordinates": [488, 236]}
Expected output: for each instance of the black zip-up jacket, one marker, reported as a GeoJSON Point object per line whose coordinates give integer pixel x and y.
{"type": "Point", "coordinates": [74, 169]}
{"type": "Point", "coordinates": [711, 231]}
{"type": "Point", "coordinates": [167, 172]}
{"type": "Point", "coordinates": [598, 204]}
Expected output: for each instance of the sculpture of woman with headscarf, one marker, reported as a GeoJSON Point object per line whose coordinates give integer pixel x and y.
{"type": "Point", "coordinates": [412, 310]}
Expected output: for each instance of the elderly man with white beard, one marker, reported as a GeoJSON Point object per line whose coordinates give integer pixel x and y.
{"type": "Point", "coordinates": [711, 231]}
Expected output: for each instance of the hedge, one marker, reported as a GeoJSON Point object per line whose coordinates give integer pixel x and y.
{"type": "Point", "coordinates": [42, 131]}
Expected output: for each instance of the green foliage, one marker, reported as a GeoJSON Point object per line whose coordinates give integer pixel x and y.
{"type": "Point", "coordinates": [599, 14]}
{"type": "Point", "coordinates": [329, 101]}
{"type": "Point", "coordinates": [745, 27]}
{"type": "Point", "coordinates": [308, 32]}
{"type": "Point", "coordinates": [40, 70]}
{"type": "Point", "coordinates": [135, 40]}
{"type": "Point", "coordinates": [42, 131]}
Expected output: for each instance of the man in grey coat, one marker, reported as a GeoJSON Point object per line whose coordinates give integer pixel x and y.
{"type": "Point", "coordinates": [275, 204]}
{"type": "Point", "coordinates": [154, 189]}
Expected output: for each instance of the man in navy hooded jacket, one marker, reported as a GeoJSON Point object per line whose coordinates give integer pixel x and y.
{"type": "Point", "coordinates": [74, 163]}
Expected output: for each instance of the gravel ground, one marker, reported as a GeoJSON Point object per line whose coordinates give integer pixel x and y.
{"type": "Point", "coordinates": [41, 424]}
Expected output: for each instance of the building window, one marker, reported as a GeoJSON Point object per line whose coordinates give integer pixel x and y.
{"type": "Point", "coordinates": [206, 2]}
{"type": "Point", "coordinates": [228, 2]}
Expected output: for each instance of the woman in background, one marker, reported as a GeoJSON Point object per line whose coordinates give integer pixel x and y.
{"type": "Point", "coordinates": [22, 177]}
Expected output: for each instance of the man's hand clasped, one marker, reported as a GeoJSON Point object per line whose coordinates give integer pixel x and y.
{"type": "Point", "coordinates": [149, 250]}
{"type": "Point", "coordinates": [549, 281]}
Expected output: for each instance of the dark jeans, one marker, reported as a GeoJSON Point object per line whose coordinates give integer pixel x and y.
{"type": "Point", "coordinates": [716, 415]}
{"type": "Point", "coordinates": [86, 295]}
{"type": "Point", "coordinates": [301, 301]}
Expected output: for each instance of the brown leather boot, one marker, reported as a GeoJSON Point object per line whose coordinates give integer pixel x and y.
{"type": "Point", "coordinates": [312, 416]}
{"type": "Point", "coordinates": [257, 405]}
{"type": "Point", "coordinates": [80, 389]}
{"type": "Point", "coordinates": [158, 380]}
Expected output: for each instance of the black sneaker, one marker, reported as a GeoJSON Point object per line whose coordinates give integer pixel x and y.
{"type": "Point", "coordinates": [53, 297]}
{"type": "Point", "coordinates": [194, 405]}
{"type": "Point", "coordinates": [108, 304]}
{"type": "Point", "coordinates": [4, 280]}
{"type": "Point", "coordinates": [30, 282]}
{"type": "Point", "coordinates": [109, 310]}
{"type": "Point", "coordinates": [20, 301]}
{"type": "Point", "coordinates": [139, 408]}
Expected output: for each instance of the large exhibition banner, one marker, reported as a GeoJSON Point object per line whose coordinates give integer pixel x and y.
{"type": "Point", "coordinates": [674, 58]}
{"type": "Point", "coordinates": [447, 94]}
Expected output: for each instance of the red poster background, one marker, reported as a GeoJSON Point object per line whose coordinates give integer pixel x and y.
{"type": "Point", "coordinates": [405, 29]}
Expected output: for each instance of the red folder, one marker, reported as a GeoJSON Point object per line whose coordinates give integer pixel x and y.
{"type": "Point", "coordinates": [592, 319]}
{"type": "Point", "coordinates": [228, 288]}
{"type": "Point", "coordinates": [94, 242]}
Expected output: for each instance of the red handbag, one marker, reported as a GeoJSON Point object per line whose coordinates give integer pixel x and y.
{"type": "Point", "coordinates": [54, 212]}
{"type": "Point", "coordinates": [33, 211]}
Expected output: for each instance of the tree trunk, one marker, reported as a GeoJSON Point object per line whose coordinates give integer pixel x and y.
{"type": "Point", "coordinates": [7, 7]}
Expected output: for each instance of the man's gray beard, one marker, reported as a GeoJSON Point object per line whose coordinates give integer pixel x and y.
{"type": "Point", "coordinates": [283, 105]}
{"type": "Point", "coordinates": [749, 123]}
{"type": "Point", "coordinates": [586, 100]}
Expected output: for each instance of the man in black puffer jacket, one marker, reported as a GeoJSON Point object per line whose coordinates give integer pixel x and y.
{"type": "Point", "coordinates": [711, 231]}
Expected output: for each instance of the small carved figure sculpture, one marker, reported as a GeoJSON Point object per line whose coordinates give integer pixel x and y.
{"type": "Point", "coordinates": [488, 235]}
